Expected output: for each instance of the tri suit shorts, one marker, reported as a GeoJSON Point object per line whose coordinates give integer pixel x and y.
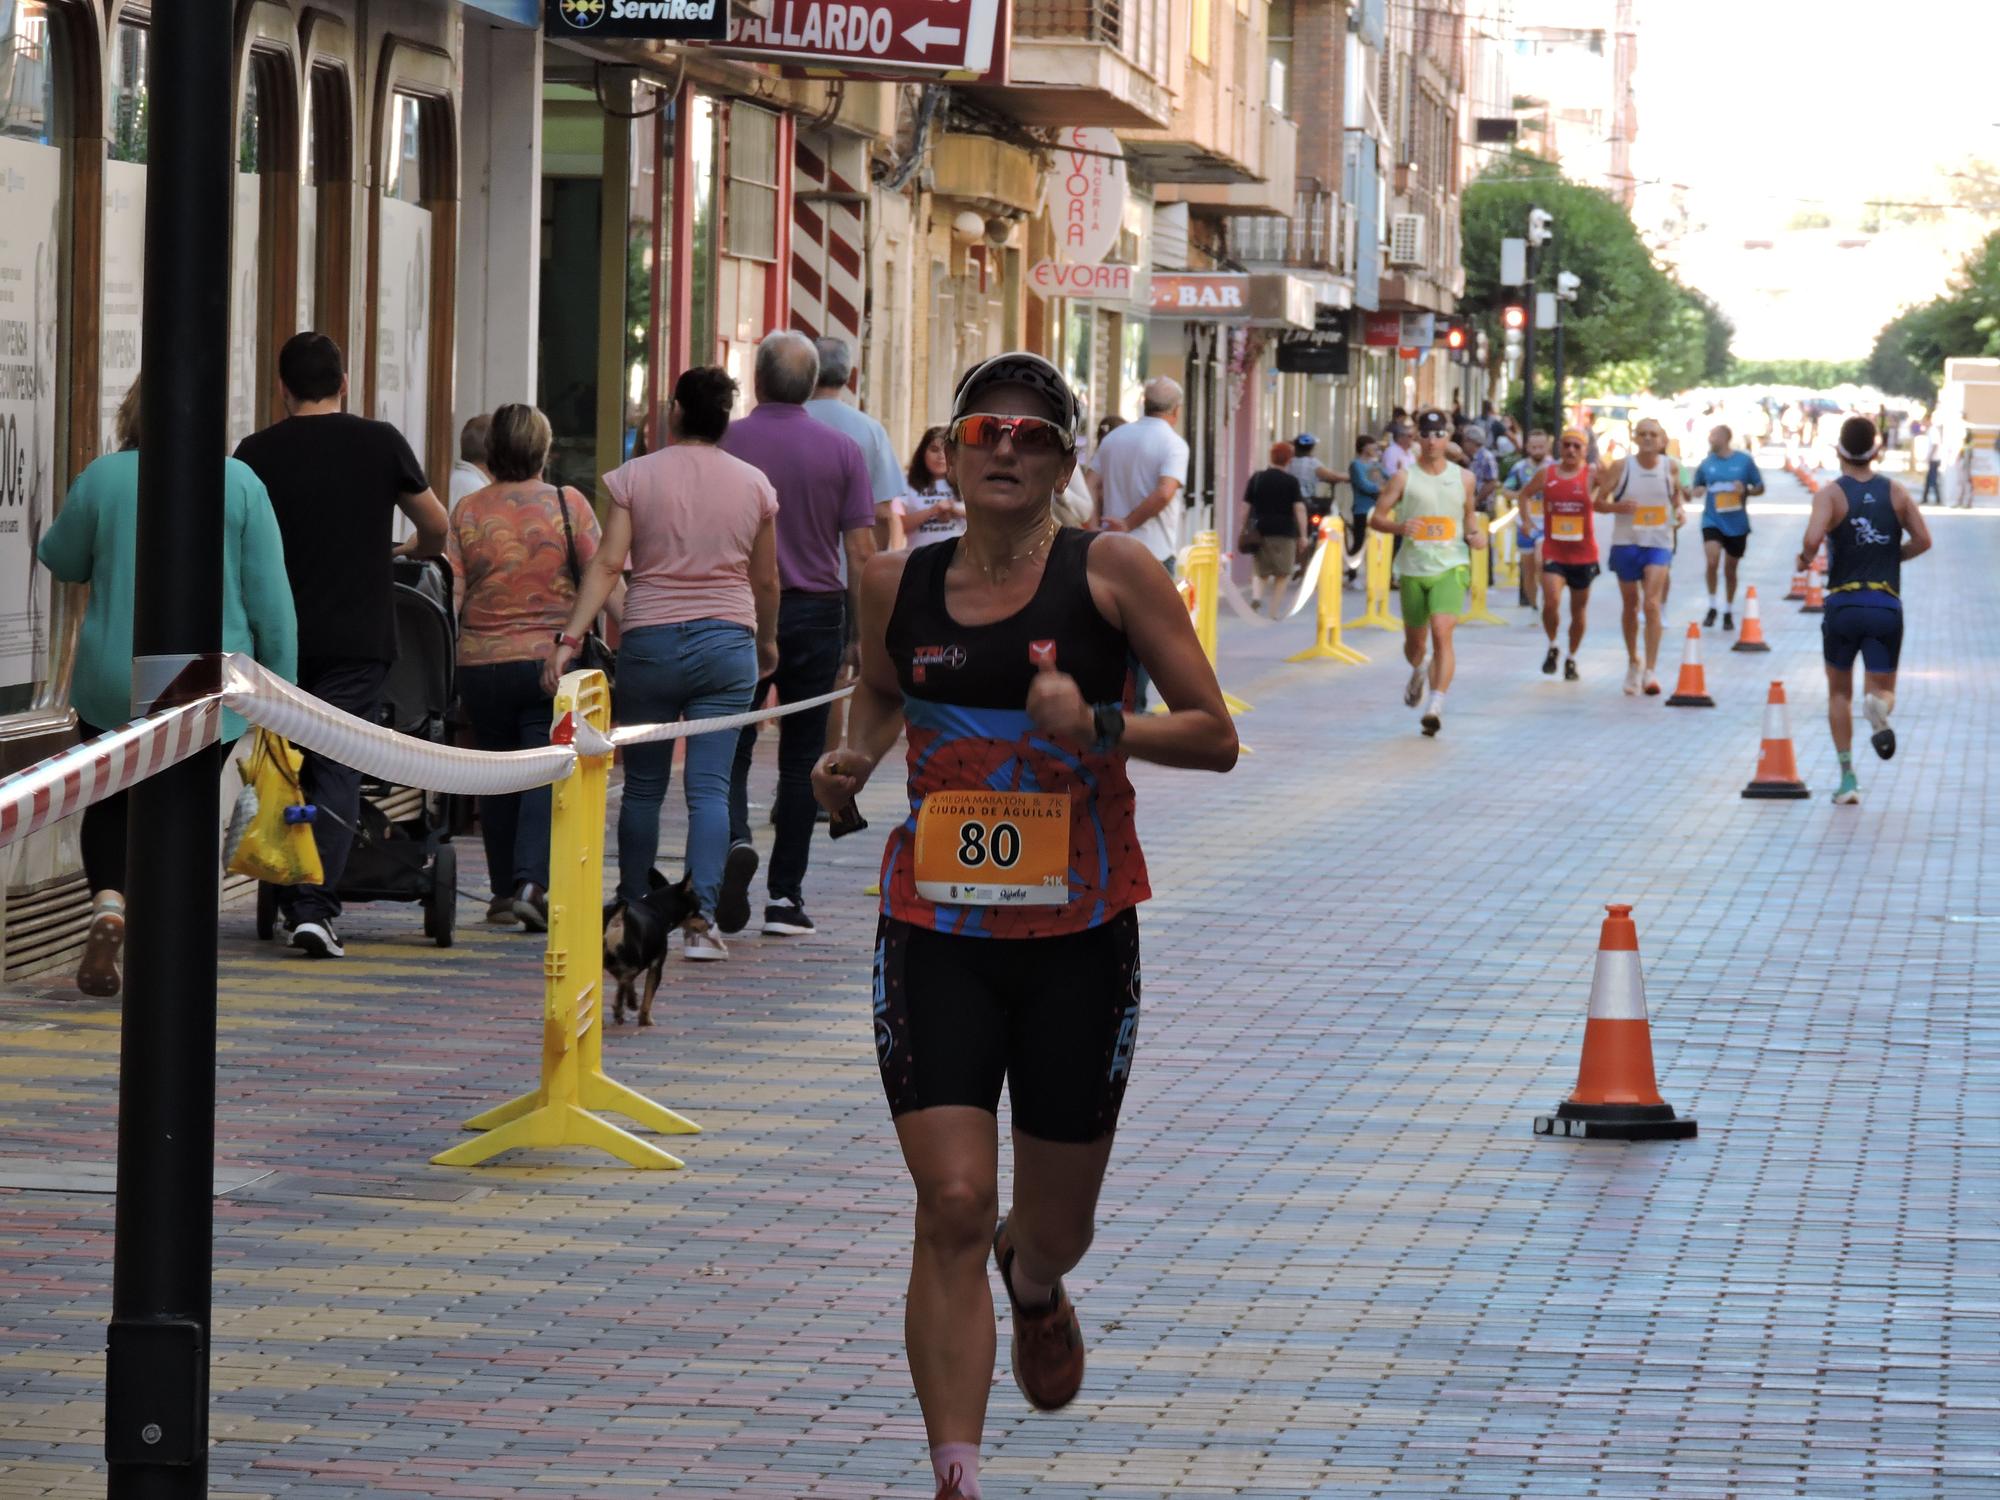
{"type": "Point", "coordinates": [1863, 622]}
{"type": "Point", "coordinates": [1731, 542]}
{"type": "Point", "coordinates": [1054, 1018]}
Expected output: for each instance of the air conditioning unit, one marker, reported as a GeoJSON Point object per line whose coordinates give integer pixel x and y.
{"type": "Point", "coordinates": [1406, 240]}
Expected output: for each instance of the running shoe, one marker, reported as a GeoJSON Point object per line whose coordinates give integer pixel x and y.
{"type": "Point", "coordinates": [1633, 672]}
{"type": "Point", "coordinates": [1549, 662]}
{"type": "Point", "coordinates": [1708, 620]}
{"type": "Point", "coordinates": [1849, 792]}
{"type": "Point", "coordinates": [787, 919]}
{"type": "Point", "coordinates": [317, 940]}
{"type": "Point", "coordinates": [1652, 685]}
{"type": "Point", "coordinates": [732, 902]}
{"type": "Point", "coordinates": [1570, 673]}
{"type": "Point", "coordinates": [1413, 690]}
{"type": "Point", "coordinates": [1728, 622]}
{"type": "Point", "coordinates": [1433, 721]}
{"type": "Point", "coordinates": [1048, 1342]}
{"type": "Point", "coordinates": [1884, 738]}
{"type": "Point", "coordinates": [99, 973]}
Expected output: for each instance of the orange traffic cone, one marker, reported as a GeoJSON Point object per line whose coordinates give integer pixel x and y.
{"type": "Point", "coordinates": [1815, 594]}
{"type": "Point", "coordinates": [1692, 690]}
{"type": "Point", "coordinates": [1777, 775]}
{"type": "Point", "coordinates": [1800, 582]}
{"type": "Point", "coordinates": [1752, 636]}
{"type": "Point", "coordinates": [1617, 1097]}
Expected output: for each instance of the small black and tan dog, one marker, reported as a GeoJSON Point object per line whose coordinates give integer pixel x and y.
{"type": "Point", "coordinates": [635, 942]}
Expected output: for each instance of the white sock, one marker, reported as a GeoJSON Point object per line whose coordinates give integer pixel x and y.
{"type": "Point", "coordinates": [1715, 601]}
{"type": "Point", "coordinates": [1437, 700]}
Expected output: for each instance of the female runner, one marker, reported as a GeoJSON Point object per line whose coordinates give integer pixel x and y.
{"type": "Point", "coordinates": [1008, 949]}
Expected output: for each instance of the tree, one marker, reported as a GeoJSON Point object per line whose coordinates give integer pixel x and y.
{"type": "Point", "coordinates": [1909, 353]}
{"type": "Point", "coordinates": [1819, 374]}
{"type": "Point", "coordinates": [1631, 319]}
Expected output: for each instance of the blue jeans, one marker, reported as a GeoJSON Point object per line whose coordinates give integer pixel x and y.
{"type": "Point", "coordinates": [699, 669]}
{"type": "Point", "coordinates": [812, 635]}
{"type": "Point", "coordinates": [509, 711]}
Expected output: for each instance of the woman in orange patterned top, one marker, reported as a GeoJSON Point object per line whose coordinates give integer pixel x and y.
{"type": "Point", "coordinates": [517, 548]}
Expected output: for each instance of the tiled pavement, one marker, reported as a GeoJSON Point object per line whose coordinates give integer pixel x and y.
{"type": "Point", "coordinates": [1334, 1261]}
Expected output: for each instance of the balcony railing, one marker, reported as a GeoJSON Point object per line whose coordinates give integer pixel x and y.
{"type": "Point", "coordinates": [1079, 20]}
{"type": "Point", "coordinates": [1310, 239]}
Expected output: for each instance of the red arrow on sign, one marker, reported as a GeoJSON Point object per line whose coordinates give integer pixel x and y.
{"type": "Point", "coordinates": [917, 36]}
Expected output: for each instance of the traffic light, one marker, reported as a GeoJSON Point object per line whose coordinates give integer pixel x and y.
{"type": "Point", "coordinates": [1514, 319]}
{"type": "Point", "coordinates": [1567, 283]}
{"type": "Point", "coordinates": [1541, 226]}
{"type": "Point", "coordinates": [1454, 337]}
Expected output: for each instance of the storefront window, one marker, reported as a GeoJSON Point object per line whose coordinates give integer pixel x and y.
{"type": "Point", "coordinates": [753, 183]}
{"type": "Point", "coordinates": [128, 94]}
{"type": "Point", "coordinates": [261, 155]}
{"type": "Point", "coordinates": [32, 235]}
{"type": "Point", "coordinates": [701, 271]}
{"type": "Point", "coordinates": [323, 266]}
{"type": "Point", "coordinates": [403, 276]}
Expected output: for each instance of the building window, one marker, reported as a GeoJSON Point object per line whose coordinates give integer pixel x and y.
{"type": "Point", "coordinates": [751, 217]}
{"type": "Point", "coordinates": [1278, 51]}
{"type": "Point", "coordinates": [128, 93]}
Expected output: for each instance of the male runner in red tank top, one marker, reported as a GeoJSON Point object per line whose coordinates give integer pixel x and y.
{"type": "Point", "coordinates": [1569, 545]}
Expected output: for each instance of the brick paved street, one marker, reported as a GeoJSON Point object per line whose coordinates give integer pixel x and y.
{"type": "Point", "coordinates": [1334, 1260]}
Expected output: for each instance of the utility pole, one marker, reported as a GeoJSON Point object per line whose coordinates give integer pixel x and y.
{"type": "Point", "coordinates": [1567, 283]}
{"type": "Point", "coordinates": [1541, 229]}
{"type": "Point", "coordinates": [156, 1376]}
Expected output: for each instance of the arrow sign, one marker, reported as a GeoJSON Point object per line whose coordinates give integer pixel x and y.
{"type": "Point", "coordinates": [836, 38]}
{"type": "Point", "coordinates": [923, 34]}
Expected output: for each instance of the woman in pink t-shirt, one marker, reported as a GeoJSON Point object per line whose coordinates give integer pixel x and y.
{"type": "Point", "coordinates": [700, 627]}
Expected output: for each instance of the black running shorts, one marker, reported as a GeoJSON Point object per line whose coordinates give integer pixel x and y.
{"type": "Point", "coordinates": [1579, 576]}
{"type": "Point", "coordinates": [1055, 1018]}
{"type": "Point", "coordinates": [1731, 542]}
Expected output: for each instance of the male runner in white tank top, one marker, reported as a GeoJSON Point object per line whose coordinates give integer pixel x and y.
{"type": "Point", "coordinates": [1644, 494]}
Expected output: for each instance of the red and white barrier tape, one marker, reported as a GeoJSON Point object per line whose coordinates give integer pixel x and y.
{"type": "Point", "coordinates": [69, 782]}
{"type": "Point", "coordinates": [72, 780]}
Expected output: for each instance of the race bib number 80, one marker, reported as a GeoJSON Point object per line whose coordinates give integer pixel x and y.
{"type": "Point", "coordinates": [993, 848]}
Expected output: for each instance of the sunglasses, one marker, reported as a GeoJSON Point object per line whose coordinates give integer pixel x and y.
{"type": "Point", "coordinates": [1032, 435]}
{"type": "Point", "coordinates": [1573, 443]}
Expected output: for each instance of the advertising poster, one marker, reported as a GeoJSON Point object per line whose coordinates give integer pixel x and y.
{"type": "Point", "coordinates": [124, 290]}
{"type": "Point", "coordinates": [243, 309]}
{"type": "Point", "coordinates": [403, 321]}
{"type": "Point", "coordinates": [30, 193]}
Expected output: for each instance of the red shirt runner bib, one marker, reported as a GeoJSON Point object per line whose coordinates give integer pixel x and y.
{"type": "Point", "coordinates": [1569, 532]}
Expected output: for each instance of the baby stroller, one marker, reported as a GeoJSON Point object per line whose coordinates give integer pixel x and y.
{"type": "Point", "coordinates": [402, 844]}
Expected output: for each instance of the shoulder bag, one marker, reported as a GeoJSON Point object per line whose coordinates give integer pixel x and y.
{"type": "Point", "coordinates": [593, 655]}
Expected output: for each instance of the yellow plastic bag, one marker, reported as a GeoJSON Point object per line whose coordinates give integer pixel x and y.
{"type": "Point", "coordinates": [262, 841]}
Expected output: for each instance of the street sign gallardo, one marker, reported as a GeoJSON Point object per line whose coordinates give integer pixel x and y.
{"type": "Point", "coordinates": [899, 36]}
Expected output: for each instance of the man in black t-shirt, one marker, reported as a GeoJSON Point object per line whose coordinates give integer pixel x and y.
{"type": "Point", "coordinates": [336, 482]}
{"type": "Point", "coordinates": [1275, 503]}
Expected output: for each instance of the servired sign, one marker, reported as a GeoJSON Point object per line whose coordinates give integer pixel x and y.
{"type": "Point", "coordinates": [910, 36]}
{"type": "Point", "coordinates": [1055, 278]}
{"type": "Point", "coordinates": [1202, 294]}
{"type": "Point", "coordinates": [655, 20]}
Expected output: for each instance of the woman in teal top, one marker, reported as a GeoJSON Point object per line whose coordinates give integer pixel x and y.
{"type": "Point", "coordinates": [94, 540]}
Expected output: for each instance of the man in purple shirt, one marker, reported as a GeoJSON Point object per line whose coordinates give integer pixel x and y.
{"type": "Point", "coordinates": [826, 516]}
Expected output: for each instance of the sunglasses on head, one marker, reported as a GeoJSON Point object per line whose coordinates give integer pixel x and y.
{"type": "Point", "coordinates": [1029, 434]}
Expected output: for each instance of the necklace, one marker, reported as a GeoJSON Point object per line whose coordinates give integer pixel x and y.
{"type": "Point", "coordinates": [998, 572]}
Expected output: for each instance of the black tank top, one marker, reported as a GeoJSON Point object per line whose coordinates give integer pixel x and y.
{"type": "Point", "coordinates": [965, 693]}
{"type": "Point", "coordinates": [1867, 546]}
{"type": "Point", "coordinates": [989, 666]}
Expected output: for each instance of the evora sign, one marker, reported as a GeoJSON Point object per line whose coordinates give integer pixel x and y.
{"type": "Point", "coordinates": [660, 20]}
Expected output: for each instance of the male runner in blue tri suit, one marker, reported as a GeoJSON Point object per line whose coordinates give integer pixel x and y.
{"type": "Point", "coordinates": [1870, 526]}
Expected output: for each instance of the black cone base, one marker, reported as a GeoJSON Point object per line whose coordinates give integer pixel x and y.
{"type": "Point", "coordinates": [1750, 646]}
{"type": "Point", "coordinates": [1812, 609]}
{"type": "Point", "coordinates": [1690, 700]}
{"type": "Point", "coordinates": [1616, 1122]}
{"type": "Point", "coordinates": [1776, 791]}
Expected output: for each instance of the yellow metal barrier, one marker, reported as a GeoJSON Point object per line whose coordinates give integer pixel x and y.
{"type": "Point", "coordinates": [1482, 567]}
{"type": "Point", "coordinates": [1380, 553]}
{"type": "Point", "coordinates": [1505, 542]}
{"type": "Point", "coordinates": [1327, 644]}
{"type": "Point", "coordinates": [573, 1081]}
{"type": "Point", "coordinates": [1201, 586]}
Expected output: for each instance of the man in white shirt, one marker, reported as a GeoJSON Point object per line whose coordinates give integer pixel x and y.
{"type": "Point", "coordinates": [885, 475]}
{"type": "Point", "coordinates": [469, 473]}
{"type": "Point", "coordinates": [1401, 450]}
{"type": "Point", "coordinates": [1136, 478]}
{"type": "Point", "coordinates": [1138, 472]}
